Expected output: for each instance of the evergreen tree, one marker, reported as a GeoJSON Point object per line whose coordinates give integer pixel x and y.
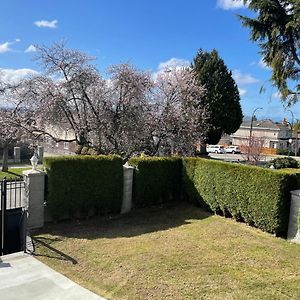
{"type": "Point", "coordinates": [222, 94]}
{"type": "Point", "coordinates": [276, 28]}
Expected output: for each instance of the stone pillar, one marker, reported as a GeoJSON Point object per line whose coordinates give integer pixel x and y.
{"type": "Point", "coordinates": [35, 191]}
{"type": "Point", "coordinates": [17, 155]}
{"type": "Point", "coordinates": [40, 153]}
{"type": "Point", "coordinates": [294, 219]}
{"type": "Point", "coordinates": [127, 188]}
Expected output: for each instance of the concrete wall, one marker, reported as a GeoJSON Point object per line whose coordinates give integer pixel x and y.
{"type": "Point", "coordinates": [294, 224]}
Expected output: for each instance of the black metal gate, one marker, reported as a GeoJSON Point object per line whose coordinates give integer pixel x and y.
{"type": "Point", "coordinates": [12, 216]}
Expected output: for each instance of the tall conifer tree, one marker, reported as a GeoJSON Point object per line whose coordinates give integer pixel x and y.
{"type": "Point", "coordinates": [222, 94]}
{"type": "Point", "coordinates": [276, 28]}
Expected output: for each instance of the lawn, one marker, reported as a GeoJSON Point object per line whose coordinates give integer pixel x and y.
{"type": "Point", "coordinates": [13, 173]}
{"type": "Point", "coordinates": [178, 252]}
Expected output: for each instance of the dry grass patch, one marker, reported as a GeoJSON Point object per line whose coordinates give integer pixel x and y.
{"type": "Point", "coordinates": [178, 252]}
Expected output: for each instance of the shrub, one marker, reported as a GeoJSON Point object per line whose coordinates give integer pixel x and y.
{"type": "Point", "coordinates": [10, 152]}
{"type": "Point", "coordinates": [84, 185]}
{"type": "Point", "coordinates": [260, 197]}
{"type": "Point", "coordinates": [156, 180]}
{"type": "Point", "coordinates": [26, 151]}
{"type": "Point", "coordinates": [85, 150]}
{"type": "Point", "coordinates": [286, 152]}
{"type": "Point", "coordinates": [282, 162]}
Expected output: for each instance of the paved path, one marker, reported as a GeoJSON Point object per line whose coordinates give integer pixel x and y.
{"type": "Point", "coordinates": [24, 277]}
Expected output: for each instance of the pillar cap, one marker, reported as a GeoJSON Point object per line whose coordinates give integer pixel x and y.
{"type": "Point", "coordinates": [127, 166]}
{"type": "Point", "coordinates": [295, 192]}
{"type": "Point", "coordinates": [33, 173]}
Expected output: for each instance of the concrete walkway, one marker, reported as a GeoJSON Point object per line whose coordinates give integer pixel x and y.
{"type": "Point", "coordinates": [24, 277]}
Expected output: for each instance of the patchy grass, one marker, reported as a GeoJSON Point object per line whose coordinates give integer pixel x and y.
{"type": "Point", "coordinates": [177, 252]}
{"type": "Point", "coordinates": [13, 173]}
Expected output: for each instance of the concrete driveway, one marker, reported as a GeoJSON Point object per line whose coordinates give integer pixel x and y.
{"type": "Point", "coordinates": [24, 277]}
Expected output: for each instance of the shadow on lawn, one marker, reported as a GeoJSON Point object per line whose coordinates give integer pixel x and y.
{"type": "Point", "coordinates": [55, 253]}
{"type": "Point", "coordinates": [10, 174]}
{"type": "Point", "coordinates": [133, 224]}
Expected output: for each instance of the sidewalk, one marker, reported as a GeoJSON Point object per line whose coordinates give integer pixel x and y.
{"type": "Point", "coordinates": [24, 277]}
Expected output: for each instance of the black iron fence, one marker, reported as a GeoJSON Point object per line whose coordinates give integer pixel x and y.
{"type": "Point", "coordinates": [12, 216]}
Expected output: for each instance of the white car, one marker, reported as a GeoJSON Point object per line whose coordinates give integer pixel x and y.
{"type": "Point", "coordinates": [215, 149]}
{"type": "Point", "coordinates": [233, 149]}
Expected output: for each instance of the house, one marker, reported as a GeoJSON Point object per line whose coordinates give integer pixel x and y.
{"type": "Point", "coordinates": [273, 135]}
{"type": "Point", "coordinates": [63, 147]}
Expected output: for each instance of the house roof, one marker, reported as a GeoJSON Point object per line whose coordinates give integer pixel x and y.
{"type": "Point", "coordinates": [265, 124]}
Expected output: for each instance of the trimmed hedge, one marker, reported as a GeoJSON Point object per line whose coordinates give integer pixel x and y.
{"type": "Point", "coordinates": [84, 185]}
{"type": "Point", "coordinates": [156, 180]}
{"type": "Point", "coordinates": [260, 197]}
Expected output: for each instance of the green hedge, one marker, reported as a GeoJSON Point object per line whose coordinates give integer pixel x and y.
{"type": "Point", "coordinates": [283, 163]}
{"type": "Point", "coordinates": [84, 185]}
{"type": "Point", "coordinates": [156, 180]}
{"type": "Point", "coordinates": [260, 197]}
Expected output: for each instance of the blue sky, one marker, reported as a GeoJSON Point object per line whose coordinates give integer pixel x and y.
{"type": "Point", "coordinates": [145, 33]}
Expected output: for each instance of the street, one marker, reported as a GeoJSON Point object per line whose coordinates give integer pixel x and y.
{"type": "Point", "coordinates": [237, 157]}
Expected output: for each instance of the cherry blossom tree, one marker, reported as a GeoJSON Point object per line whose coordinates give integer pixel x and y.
{"type": "Point", "coordinates": [179, 110]}
{"type": "Point", "coordinates": [63, 95]}
{"type": "Point", "coordinates": [10, 133]}
{"type": "Point", "coordinates": [125, 112]}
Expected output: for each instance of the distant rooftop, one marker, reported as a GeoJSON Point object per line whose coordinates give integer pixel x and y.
{"type": "Point", "coordinates": [266, 124]}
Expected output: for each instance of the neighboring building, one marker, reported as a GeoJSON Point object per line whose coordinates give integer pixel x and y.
{"type": "Point", "coordinates": [226, 140]}
{"type": "Point", "coordinates": [272, 134]}
{"type": "Point", "coordinates": [51, 146]}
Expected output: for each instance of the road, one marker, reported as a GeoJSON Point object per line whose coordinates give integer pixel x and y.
{"type": "Point", "coordinates": [236, 157]}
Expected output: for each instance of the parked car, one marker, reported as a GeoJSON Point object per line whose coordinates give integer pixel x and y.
{"type": "Point", "coordinates": [232, 149]}
{"type": "Point", "coordinates": [215, 149]}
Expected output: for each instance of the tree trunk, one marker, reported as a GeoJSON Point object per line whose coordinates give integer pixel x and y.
{"type": "Point", "coordinates": [5, 159]}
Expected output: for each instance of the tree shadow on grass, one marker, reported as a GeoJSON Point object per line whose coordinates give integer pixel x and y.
{"type": "Point", "coordinates": [136, 223]}
{"type": "Point", "coordinates": [53, 252]}
{"type": "Point", "coordinates": [11, 175]}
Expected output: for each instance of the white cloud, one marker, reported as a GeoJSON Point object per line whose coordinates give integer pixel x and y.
{"type": "Point", "coordinates": [31, 48]}
{"type": "Point", "coordinates": [173, 63]}
{"type": "Point", "coordinates": [5, 47]}
{"type": "Point", "coordinates": [243, 78]}
{"type": "Point", "coordinates": [242, 92]}
{"type": "Point", "coordinates": [48, 24]}
{"type": "Point", "coordinates": [276, 95]}
{"type": "Point", "coordinates": [15, 75]}
{"type": "Point", "coordinates": [231, 4]}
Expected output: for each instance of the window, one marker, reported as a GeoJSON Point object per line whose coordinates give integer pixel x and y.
{"type": "Point", "coordinates": [66, 145]}
{"type": "Point", "coordinates": [272, 145]}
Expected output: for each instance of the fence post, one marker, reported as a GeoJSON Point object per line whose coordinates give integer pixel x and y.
{"type": "Point", "coordinates": [3, 214]}
{"type": "Point", "coordinates": [17, 155]}
{"type": "Point", "coordinates": [127, 188]}
{"type": "Point", "coordinates": [294, 219]}
{"type": "Point", "coordinates": [40, 153]}
{"type": "Point", "coordinates": [35, 191]}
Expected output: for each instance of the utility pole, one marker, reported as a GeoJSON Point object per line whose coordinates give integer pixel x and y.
{"type": "Point", "coordinates": [296, 137]}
